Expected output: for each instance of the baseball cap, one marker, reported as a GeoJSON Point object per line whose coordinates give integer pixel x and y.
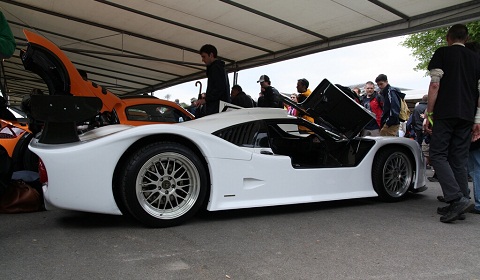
{"type": "Point", "coordinates": [263, 78]}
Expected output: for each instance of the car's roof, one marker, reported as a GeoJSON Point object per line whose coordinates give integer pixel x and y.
{"type": "Point", "coordinates": [212, 123]}
{"type": "Point", "coordinates": [143, 100]}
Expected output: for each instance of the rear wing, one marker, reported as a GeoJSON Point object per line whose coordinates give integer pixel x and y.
{"type": "Point", "coordinates": [61, 113]}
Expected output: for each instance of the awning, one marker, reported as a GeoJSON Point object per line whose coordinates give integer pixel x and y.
{"type": "Point", "coordinates": [136, 47]}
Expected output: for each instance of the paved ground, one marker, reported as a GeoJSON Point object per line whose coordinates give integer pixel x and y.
{"type": "Point", "coordinates": [356, 239]}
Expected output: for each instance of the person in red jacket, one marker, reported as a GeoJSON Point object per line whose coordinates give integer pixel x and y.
{"type": "Point", "coordinates": [374, 103]}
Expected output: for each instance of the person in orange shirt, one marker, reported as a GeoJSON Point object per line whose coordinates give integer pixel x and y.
{"type": "Point", "coordinates": [303, 93]}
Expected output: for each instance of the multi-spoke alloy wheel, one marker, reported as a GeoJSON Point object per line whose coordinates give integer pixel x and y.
{"type": "Point", "coordinates": [164, 184]}
{"type": "Point", "coordinates": [392, 174]}
{"type": "Point", "coordinates": [168, 185]}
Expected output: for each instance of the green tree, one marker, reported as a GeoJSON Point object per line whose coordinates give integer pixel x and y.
{"type": "Point", "coordinates": [424, 44]}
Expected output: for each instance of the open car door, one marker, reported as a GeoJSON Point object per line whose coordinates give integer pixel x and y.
{"type": "Point", "coordinates": [334, 109]}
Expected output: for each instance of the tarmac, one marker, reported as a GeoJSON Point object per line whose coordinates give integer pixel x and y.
{"type": "Point", "coordinates": [353, 239]}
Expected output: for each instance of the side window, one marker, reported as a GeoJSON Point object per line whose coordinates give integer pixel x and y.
{"type": "Point", "coordinates": [252, 134]}
{"type": "Point", "coordinates": [163, 114]}
{"type": "Point", "coordinates": [134, 114]}
{"type": "Point", "coordinates": [290, 129]}
{"type": "Point", "coordinates": [155, 113]}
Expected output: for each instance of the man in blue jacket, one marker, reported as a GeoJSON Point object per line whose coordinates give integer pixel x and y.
{"type": "Point", "coordinates": [391, 106]}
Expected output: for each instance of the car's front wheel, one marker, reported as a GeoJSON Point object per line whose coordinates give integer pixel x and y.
{"type": "Point", "coordinates": [392, 174]}
{"type": "Point", "coordinates": [163, 184]}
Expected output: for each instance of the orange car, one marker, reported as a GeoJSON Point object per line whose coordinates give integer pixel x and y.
{"type": "Point", "coordinates": [138, 110]}
{"type": "Point", "coordinates": [14, 137]}
{"type": "Point", "coordinates": [62, 78]}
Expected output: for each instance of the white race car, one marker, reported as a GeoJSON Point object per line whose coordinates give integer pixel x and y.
{"type": "Point", "coordinates": [162, 174]}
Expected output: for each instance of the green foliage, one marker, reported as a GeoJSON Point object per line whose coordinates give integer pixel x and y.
{"type": "Point", "coordinates": [424, 44]}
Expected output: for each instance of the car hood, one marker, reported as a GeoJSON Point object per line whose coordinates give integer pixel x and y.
{"type": "Point", "coordinates": [334, 109]}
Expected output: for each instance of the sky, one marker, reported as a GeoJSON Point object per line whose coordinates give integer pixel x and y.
{"type": "Point", "coordinates": [346, 66]}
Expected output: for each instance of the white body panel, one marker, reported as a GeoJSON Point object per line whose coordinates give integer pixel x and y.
{"type": "Point", "coordinates": [80, 173]}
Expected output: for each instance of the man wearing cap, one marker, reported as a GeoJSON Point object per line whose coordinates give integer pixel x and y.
{"type": "Point", "coordinates": [218, 87]}
{"type": "Point", "coordinates": [270, 97]}
{"type": "Point", "coordinates": [193, 106]}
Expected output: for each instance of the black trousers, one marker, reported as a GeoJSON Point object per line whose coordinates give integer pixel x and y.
{"type": "Point", "coordinates": [449, 147]}
{"type": "Point", "coordinates": [419, 137]}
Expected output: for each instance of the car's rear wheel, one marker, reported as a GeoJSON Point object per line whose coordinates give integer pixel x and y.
{"type": "Point", "coordinates": [163, 184]}
{"type": "Point", "coordinates": [25, 159]}
{"type": "Point", "coordinates": [392, 174]}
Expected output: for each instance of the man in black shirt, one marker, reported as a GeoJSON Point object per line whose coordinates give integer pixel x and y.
{"type": "Point", "coordinates": [240, 98]}
{"type": "Point", "coordinates": [218, 87]}
{"type": "Point", "coordinates": [451, 111]}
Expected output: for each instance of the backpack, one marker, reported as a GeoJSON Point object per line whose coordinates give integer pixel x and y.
{"type": "Point", "coordinates": [404, 111]}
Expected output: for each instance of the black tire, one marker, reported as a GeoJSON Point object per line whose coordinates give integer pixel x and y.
{"type": "Point", "coordinates": [30, 161]}
{"type": "Point", "coordinates": [163, 184]}
{"type": "Point", "coordinates": [392, 174]}
{"type": "Point", "coordinates": [23, 158]}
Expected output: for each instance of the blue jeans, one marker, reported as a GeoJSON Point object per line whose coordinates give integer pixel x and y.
{"type": "Point", "coordinates": [474, 171]}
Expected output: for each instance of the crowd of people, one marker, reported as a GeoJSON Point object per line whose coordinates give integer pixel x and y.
{"type": "Point", "coordinates": [452, 146]}
{"type": "Point", "coordinates": [384, 104]}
